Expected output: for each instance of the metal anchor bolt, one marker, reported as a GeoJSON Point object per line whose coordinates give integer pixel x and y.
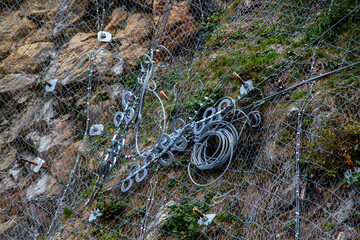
{"type": "Point", "coordinates": [48, 84]}
{"type": "Point", "coordinates": [164, 95]}
{"type": "Point", "coordinates": [350, 163]}
{"type": "Point", "coordinates": [31, 162]}
{"type": "Point", "coordinates": [204, 219]}
{"type": "Point", "coordinates": [239, 78]}
{"type": "Point", "coordinates": [198, 212]}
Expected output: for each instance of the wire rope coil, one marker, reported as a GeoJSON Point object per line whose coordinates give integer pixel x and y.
{"type": "Point", "coordinates": [206, 156]}
{"type": "Point", "coordinates": [215, 145]}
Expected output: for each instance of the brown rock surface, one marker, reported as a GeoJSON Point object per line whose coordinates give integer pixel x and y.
{"type": "Point", "coordinates": [138, 29]}
{"type": "Point", "coordinates": [44, 19]}
{"type": "Point", "coordinates": [28, 58]}
{"type": "Point", "coordinates": [180, 19]}
{"type": "Point", "coordinates": [69, 12]}
{"type": "Point", "coordinates": [117, 20]}
{"type": "Point", "coordinates": [131, 52]}
{"type": "Point", "coordinates": [13, 29]}
{"type": "Point", "coordinates": [145, 3]}
{"type": "Point", "coordinates": [74, 58]}
{"type": "Point", "coordinates": [12, 83]}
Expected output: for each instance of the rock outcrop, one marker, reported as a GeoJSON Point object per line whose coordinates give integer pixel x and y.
{"type": "Point", "coordinates": [43, 40]}
{"type": "Point", "coordinates": [180, 18]}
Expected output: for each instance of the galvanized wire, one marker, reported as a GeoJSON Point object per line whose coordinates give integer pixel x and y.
{"type": "Point", "coordinates": [271, 163]}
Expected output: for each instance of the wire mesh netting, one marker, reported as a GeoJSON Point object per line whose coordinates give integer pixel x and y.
{"type": "Point", "coordinates": [201, 119]}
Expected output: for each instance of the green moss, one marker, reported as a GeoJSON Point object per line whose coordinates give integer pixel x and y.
{"type": "Point", "coordinates": [251, 65]}
{"type": "Point", "coordinates": [329, 226]}
{"type": "Point", "coordinates": [198, 97]}
{"type": "Point", "coordinates": [299, 95]}
{"type": "Point", "coordinates": [211, 23]}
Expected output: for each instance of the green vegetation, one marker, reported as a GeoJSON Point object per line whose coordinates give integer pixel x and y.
{"type": "Point", "coordinates": [110, 208]}
{"type": "Point", "coordinates": [67, 213]}
{"type": "Point", "coordinates": [329, 226]}
{"type": "Point", "coordinates": [210, 23]}
{"type": "Point", "coordinates": [355, 178]}
{"type": "Point", "coordinates": [336, 139]}
{"type": "Point", "coordinates": [183, 220]}
{"type": "Point", "coordinates": [251, 65]}
{"type": "Point", "coordinates": [284, 136]}
{"type": "Point", "coordinates": [339, 9]}
{"type": "Point", "coordinates": [194, 101]}
{"type": "Point", "coordinates": [87, 192]}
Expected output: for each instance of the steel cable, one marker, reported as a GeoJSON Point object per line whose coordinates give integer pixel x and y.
{"type": "Point", "coordinates": [216, 146]}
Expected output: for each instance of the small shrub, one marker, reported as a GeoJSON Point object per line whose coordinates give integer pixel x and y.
{"type": "Point", "coordinates": [210, 23]}
{"type": "Point", "coordinates": [67, 213]}
{"type": "Point", "coordinates": [183, 220]}
{"type": "Point", "coordinates": [335, 138]}
{"type": "Point", "coordinates": [339, 9]}
{"type": "Point", "coordinates": [111, 208]}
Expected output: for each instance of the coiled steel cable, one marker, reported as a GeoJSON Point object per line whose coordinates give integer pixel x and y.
{"type": "Point", "coordinates": [216, 146]}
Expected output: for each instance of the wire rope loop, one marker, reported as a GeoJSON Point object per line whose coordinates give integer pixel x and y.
{"type": "Point", "coordinates": [210, 112]}
{"type": "Point", "coordinates": [140, 80]}
{"type": "Point", "coordinates": [131, 169]}
{"type": "Point", "coordinates": [254, 119]}
{"type": "Point", "coordinates": [215, 143]}
{"type": "Point", "coordinates": [119, 146]}
{"type": "Point", "coordinates": [224, 104]}
{"type": "Point", "coordinates": [126, 98]}
{"type": "Point", "coordinates": [176, 121]}
{"type": "Point", "coordinates": [170, 160]}
{"type": "Point", "coordinates": [129, 115]}
{"type": "Point", "coordinates": [164, 141]}
{"type": "Point", "coordinates": [154, 86]}
{"type": "Point", "coordinates": [146, 62]}
{"type": "Point", "coordinates": [125, 188]}
{"type": "Point", "coordinates": [215, 147]}
{"type": "Point", "coordinates": [199, 126]}
{"type": "Point", "coordinates": [160, 49]}
{"type": "Point", "coordinates": [117, 118]}
{"type": "Point", "coordinates": [138, 177]}
{"type": "Point", "coordinates": [146, 162]}
{"type": "Point", "coordinates": [180, 144]}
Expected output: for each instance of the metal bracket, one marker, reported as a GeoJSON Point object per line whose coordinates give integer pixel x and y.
{"type": "Point", "coordinates": [247, 87]}
{"type": "Point", "coordinates": [94, 215]}
{"type": "Point", "coordinates": [104, 36]}
{"type": "Point", "coordinates": [50, 85]}
{"type": "Point", "coordinates": [204, 219]}
{"type": "Point", "coordinates": [36, 167]}
{"type": "Point", "coordinates": [350, 173]}
{"type": "Point", "coordinates": [96, 130]}
{"type": "Point", "coordinates": [207, 219]}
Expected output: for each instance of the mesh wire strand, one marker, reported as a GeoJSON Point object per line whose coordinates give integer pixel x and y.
{"type": "Point", "coordinates": [286, 177]}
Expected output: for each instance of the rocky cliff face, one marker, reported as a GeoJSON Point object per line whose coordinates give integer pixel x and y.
{"type": "Point", "coordinates": [49, 164]}
{"type": "Point", "coordinates": [57, 39]}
